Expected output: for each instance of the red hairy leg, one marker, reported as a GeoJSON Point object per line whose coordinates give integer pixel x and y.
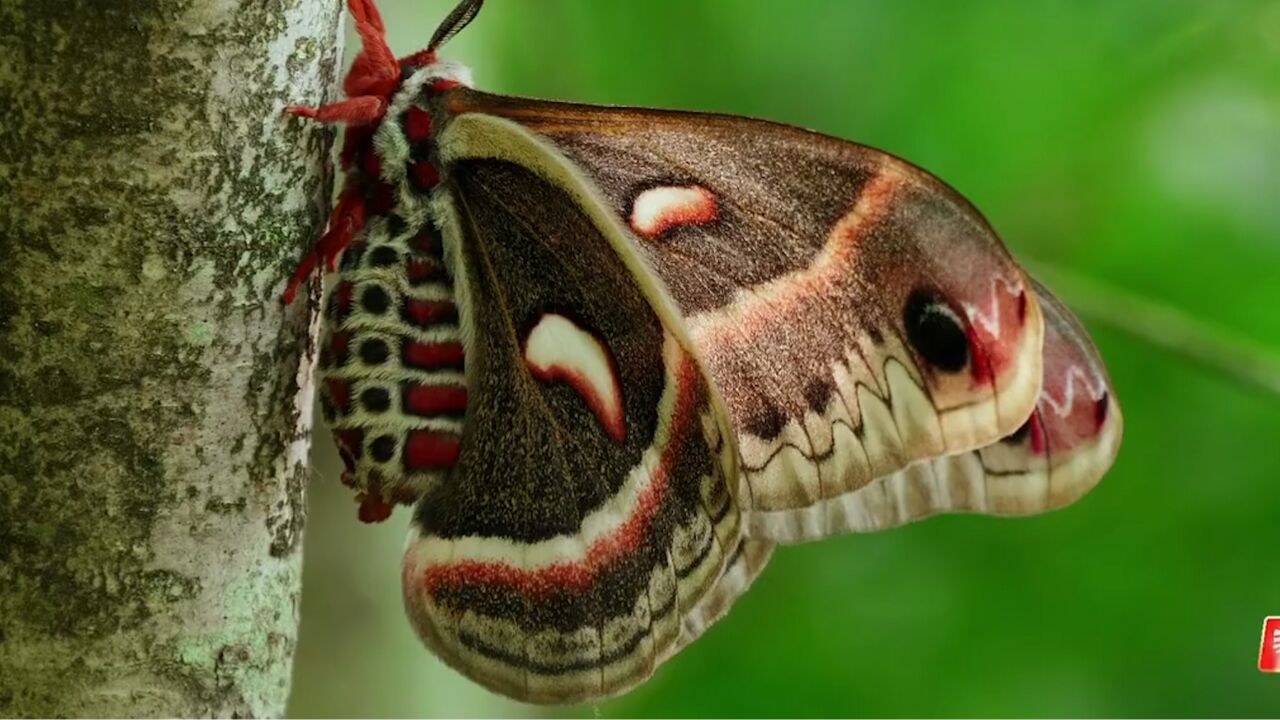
{"type": "Point", "coordinates": [364, 110]}
{"type": "Point", "coordinates": [366, 12]}
{"type": "Point", "coordinates": [375, 70]}
{"type": "Point", "coordinates": [347, 220]}
{"type": "Point", "coordinates": [356, 140]}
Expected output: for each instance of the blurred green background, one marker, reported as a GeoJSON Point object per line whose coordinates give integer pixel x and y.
{"type": "Point", "coordinates": [1133, 143]}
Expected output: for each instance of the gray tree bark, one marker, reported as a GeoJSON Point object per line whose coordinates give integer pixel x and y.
{"type": "Point", "coordinates": [154, 395]}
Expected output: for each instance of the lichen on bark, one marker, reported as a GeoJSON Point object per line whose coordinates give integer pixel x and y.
{"type": "Point", "coordinates": [154, 395]}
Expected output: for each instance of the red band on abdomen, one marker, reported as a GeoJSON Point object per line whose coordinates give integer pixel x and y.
{"type": "Point", "coordinates": [426, 449]}
{"type": "Point", "coordinates": [434, 399]}
{"type": "Point", "coordinates": [433, 356]}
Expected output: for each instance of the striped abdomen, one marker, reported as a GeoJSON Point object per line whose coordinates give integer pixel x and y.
{"type": "Point", "coordinates": [392, 384]}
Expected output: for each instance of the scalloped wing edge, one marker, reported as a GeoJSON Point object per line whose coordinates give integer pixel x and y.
{"type": "Point", "coordinates": [1056, 457]}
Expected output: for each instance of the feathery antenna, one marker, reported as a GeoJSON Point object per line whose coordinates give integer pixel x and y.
{"type": "Point", "coordinates": [463, 14]}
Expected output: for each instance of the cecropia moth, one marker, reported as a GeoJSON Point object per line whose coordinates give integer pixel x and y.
{"type": "Point", "coordinates": [613, 355]}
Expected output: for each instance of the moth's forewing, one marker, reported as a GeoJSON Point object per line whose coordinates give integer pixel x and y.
{"type": "Point", "coordinates": [857, 314]}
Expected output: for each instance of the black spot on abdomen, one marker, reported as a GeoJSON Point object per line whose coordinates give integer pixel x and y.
{"type": "Point", "coordinates": [383, 256]}
{"type": "Point", "coordinates": [383, 448]}
{"type": "Point", "coordinates": [375, 300]}
{"type": "Point", "coordinates": [374, 352]}
{"type": "Point", "coordinates": [376, 400]}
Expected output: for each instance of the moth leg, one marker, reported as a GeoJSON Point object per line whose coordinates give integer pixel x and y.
{"type": "Point", "coordinates": [363, 110]}
{"type": "Point", "coordinates": [347, 219]}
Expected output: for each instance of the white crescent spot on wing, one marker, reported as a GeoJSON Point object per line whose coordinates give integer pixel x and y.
{"type": "Point", "coordinates": [658, 209]}
{"type": "Point", "coordinates": [557, 349]}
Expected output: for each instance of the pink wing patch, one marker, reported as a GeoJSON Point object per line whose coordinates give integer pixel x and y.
{"type": "Point", "coordinates": [1075, 399]}
{"type": "Point", "coordinates": [557, 349]}
{"type": "Point", "coordinates": [991, 325]}
{"type": "Point", "coordinates": [659, 209]}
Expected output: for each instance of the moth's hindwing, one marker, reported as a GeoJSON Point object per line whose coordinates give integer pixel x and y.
{"type": "Point", "coordinates": [856, 314]}
{"type": "Point", "coordinates": [1070, 440]}
{"type": "Point", "coordinates": [585, 532]}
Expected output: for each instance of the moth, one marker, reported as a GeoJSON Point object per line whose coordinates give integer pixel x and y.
{"type": "Point", "coordinates": [612, 356]}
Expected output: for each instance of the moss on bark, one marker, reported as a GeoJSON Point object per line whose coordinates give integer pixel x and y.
{"type": "Point", "coordinates": [153, 413]}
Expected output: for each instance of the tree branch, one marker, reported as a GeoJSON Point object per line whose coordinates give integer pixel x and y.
{"type": "Point", "coordinates": [154, 418]}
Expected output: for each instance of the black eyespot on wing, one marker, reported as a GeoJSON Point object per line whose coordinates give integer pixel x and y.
{"type": "Point", "coordinates": [383, 256]}
{"type": "Point", "coordinates": [376, 400]}
{"type": "Point", "coordinates": [936, 331]}
{"type": "Point", "coordinates": [383, 448]}
{"type": "Point", "coordinates": [374, 352]}
{"type": "Point", "coordinates": [374, 300]}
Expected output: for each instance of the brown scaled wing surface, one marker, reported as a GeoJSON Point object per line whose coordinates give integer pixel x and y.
{"type": "Point", "coordinates": [856, 314]}
{"type": "Point", "coordinates": [563, 562]}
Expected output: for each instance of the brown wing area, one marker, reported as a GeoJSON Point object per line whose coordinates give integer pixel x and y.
{"type": "Point", "coordinates": [1054, 458]}
{"type": "Point", "coordinates": [588, 514]}
{"type": "Point", "coordinates": [856, 314]}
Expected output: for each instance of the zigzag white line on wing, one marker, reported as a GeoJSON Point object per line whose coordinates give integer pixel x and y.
{"type": "Point", "coordinates": [852, 409]}
{"type": "Point", "coordinates": [991, 321]}
{"type": "Point", "coordinates": [883, 446]}
{"type": "Point", "coordinates": [1097, 388]}
{"type": "Point", "coordinates": [963, 483]}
